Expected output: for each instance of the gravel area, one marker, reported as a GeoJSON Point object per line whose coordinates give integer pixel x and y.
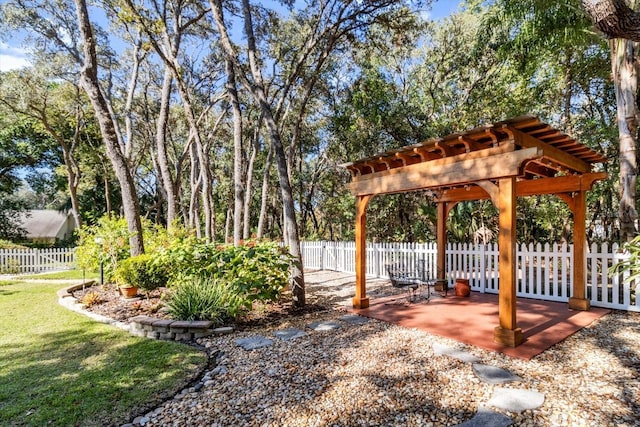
{"type": "Point", "coordinates": [380, 374]}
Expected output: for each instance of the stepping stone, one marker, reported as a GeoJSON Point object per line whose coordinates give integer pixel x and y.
{"type": "Point", "coordinates": [289, 334]}
{"type": "Point", "coordinates": [461, 355]}
{"type": "Point", "coordinates": [327, 325]}
{"type": "Point", "coordinates": [252, 343]}
{"type": "Point", "coordinates": [487, 418]}
{"type": "Point", "coordinates": [354, 319]}
{"type": "Point", "coordinates": [516, 400]}
{"type": "Point", "coordinates": [494, 375]}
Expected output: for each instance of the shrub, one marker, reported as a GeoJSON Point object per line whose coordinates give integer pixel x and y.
{"type": "Point", "coordinates": [142, 271]}
{"type": "Point", "coordinates": [205, 298]}
{"type": "Point", "coordinates": [6, 244]}
{"type": "Point", "coordinates": [107, 242]}
{"type": "Point", "coordinates": [256, 271]}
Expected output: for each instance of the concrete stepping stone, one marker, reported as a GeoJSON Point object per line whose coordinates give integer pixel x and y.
{"type": "Point", "coordinates": [354, 319]}
{"type": "Point", "coordinates": [494, 375]}
{"type": "Point", "coordinates": [461, 355]}
{"type": "Point", "coordinates": [289, 334]}
{"type": "Point", "coordinates": [327, 325]}
{"type": "Point", "coordinates": [252, 343]}
{"type": "Point", "coordinates": [516, 400]}
{"type": "Point", "coordinates": [487, 418]}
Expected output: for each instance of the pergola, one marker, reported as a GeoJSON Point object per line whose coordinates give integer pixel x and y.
{"type": "Point", "coordinates": [502, 161]}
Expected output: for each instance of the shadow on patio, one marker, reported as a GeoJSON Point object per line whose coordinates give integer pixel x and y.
{"type": "Point", "coordinates": [471, 320]}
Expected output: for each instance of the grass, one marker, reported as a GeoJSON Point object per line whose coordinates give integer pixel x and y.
{"type": "Point", "coordinates": [58, 367]}
{"type": "Point", "coordinates": [65, 274]}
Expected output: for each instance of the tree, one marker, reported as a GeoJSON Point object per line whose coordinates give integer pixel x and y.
{"type": "Point", "coordinates": [620, 24]}
{"type": "Point", "coordinates": [23, 146]}
{"type": "Point", "coordinates": [91, 84]}
{"type": "Point", "coordinates": [615, 18]}
{"type": "Point", "coordinates": [58, 109]}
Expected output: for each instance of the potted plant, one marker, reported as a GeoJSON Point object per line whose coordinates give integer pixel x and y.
{"type": "Point", "coordinates": [140, 272]}
{"type": "Point", "coordinates": [127, 278]}
{"type": "Point", "coordinates": [127, 290]}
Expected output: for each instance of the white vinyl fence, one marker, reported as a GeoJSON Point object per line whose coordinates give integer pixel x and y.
{"type": "Point", "coordinates": [14, 261]}
{"type": "Point", "coordinates": [543, 272]}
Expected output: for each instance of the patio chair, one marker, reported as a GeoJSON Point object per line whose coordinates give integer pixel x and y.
{"type": "Point", "coordinates": [404, 278]}
{"type": "Point", "coordinates": [426, 276]}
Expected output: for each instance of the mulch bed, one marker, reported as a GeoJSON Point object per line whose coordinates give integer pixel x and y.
{"type": "Point", "coordinates": [110, 303]}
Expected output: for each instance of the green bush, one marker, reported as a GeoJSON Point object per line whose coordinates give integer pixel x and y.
{"type": "Point", "coordinates": [205, 298]}
{"type": "Point", "coordinates": [105, 243]}
{"type": "Point", "coordinates": [142, 271]}
{"type": "Point", "coordinates": [256, 271]}
{"type": "Point", "coordinates": [6, 244]}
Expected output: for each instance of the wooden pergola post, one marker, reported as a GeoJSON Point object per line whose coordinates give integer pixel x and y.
{"type": "Point", "coordinates": [579, 208]}
{"type": "Point", "coordinates": [361, 300]}
{"type": "Point", "coordinates": [441, 243]}
{"type": "Point", "coordinates": [507, 332]}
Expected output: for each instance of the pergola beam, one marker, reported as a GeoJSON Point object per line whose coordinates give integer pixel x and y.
{"type": "Point", "coordinates": [551, 152]}
{"type": "Point", "coordinates": [438, 173]}
{"type": "Point", "coordinates": [556, 185]}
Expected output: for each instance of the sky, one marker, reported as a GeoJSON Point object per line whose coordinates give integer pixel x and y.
{"type": "Point", "coordinates": [443, 8]}
{"type": "Point", "coordinates": [13, 55]}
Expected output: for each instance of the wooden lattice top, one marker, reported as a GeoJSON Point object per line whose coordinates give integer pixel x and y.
{"type": "Point", "coordinates": [561, 154]}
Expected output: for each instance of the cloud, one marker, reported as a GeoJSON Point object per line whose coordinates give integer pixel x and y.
{"type": "Point", "coordinates": [12, 58]}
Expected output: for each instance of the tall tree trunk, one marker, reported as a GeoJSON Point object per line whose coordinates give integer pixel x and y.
{"type": "Point", "coordinates": [288, 208]}
{"type": "Point", "coordinates": [90, 83]}
{"type": "Point", "coordinates": [73, 170]}
{"type": "Point", "coordinates": [264, 199]}
{"type": "Point", "coordinates": [614, 18]}
{"type": "Point", "coordinates": [625, 76]}
{"type": "Point", "coordinates": [227, 225]}
{"type": "Point", "coordinates": [161, 145]}
{"type": "Point", "coordinates": [133, 82]}
{"type": "Point", "coordinates": [206, 193]}
{"type": "Point", "coordinates": [257, 90]}
{"type": "Point", "coordinates": [107, 186]}
{"type": "Point", "coordinates": [621, 24]}
{"type": "Point", "coordinates": [255, 146]}
{"type": "Point", "coordinates": [195, 178]}
{"type": "Point", "coordinates": [238, 188]}
{"type": "Point", "coordinates": [168, 52]}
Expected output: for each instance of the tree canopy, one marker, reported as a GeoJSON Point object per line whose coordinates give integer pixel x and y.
{"type": "Point", "coordinates": [233, 117]}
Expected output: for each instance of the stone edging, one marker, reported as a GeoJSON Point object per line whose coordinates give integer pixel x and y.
{"type": "Point", "coordinates": [144, 326]}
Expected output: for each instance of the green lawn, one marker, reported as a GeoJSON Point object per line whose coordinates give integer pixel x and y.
{"type": "Point", "coordinates": [58, 367]}
{"type": "Point", "coordinates": [66, 274]}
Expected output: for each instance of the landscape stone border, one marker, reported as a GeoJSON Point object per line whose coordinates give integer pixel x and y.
{"type": "Point", "coordinates": [144, 326]}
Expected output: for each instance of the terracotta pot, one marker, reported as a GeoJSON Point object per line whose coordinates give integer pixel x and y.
{"type": "Point", "coordinates": [129, 292]}
{"type": "Point", "coordinates": [462, 288]}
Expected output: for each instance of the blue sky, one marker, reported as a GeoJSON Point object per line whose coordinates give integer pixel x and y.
{"type": "Point", "coordinates": [13, 55]}
{"type": "Point", "coordinates": [443, 8]}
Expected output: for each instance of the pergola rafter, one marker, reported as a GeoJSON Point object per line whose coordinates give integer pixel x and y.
{"type": "Point", "coordinates": [500, 162]}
